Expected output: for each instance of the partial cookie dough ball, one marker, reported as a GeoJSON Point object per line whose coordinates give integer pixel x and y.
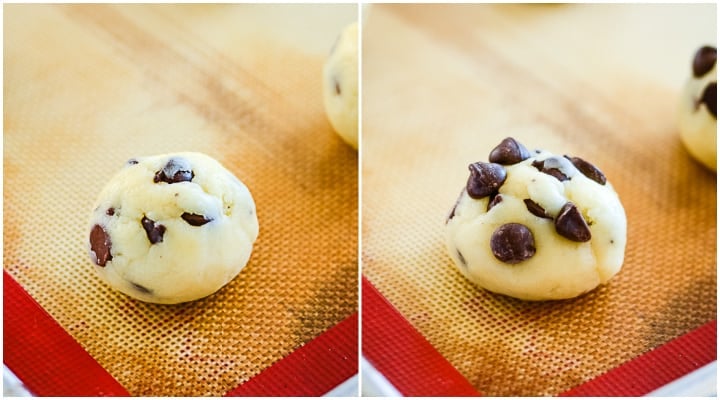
{"type": "Point", "coordinates": [340, 84]}
{"type": "Point", "coordinates": [536, 226]}
{"type": "Point", "coordinates": [698, 108]}
{"type": "Point", "coordinates": [172, 228]}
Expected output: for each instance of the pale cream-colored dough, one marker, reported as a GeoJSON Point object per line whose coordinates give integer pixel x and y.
{"type": "Point", "coordinates": [560, 268]}
{"type": "Point", "coordinates": [698, 128]}
{"type": "Point", "coordinates": [340, 85]}
{"type": "Point", "coordinates": [190, 262]}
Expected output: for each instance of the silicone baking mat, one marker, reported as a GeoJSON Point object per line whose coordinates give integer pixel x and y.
{"type": "Point", "coordinates": [444, 84]}
{"type": "Point", "coordinates": [87, 87]}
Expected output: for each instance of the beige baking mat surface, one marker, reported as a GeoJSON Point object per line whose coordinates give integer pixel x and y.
{"type": "Point", "coordinates": [442, 85]}
{"type": "Point", "coordinates": [87, 87]}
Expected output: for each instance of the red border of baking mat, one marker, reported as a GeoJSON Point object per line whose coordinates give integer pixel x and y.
{"type": "Point", "coordinates": [313, 369]}
{"type": "Point", "coordinates": [43, 355]}
{"type": "Point", "coordinates": [657, 367]}
{"type": "Point", "coordinates": [402, 354]}
{"type": "Point", "coordinates": [51, 363]}
{"type": "Point", "coordinates": [416, 368]}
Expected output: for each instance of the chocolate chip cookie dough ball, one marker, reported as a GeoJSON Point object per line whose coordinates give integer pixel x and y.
{"type": "Point", "coordinates": [536, 226]}
{"type": "Point", "coordinates": [698, 108]}
{"type": "Point", "coordinates": [340, 85]}
{"type": "Point", "coordinates": [172, 228]}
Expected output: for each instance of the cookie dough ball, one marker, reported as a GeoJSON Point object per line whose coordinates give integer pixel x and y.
{"type": "Point", "coordinates": [340, 85]}
{"type": "Point", "coordinates": [172, 228]}
{"type": "Point", "coordinates": [536, 226]}
{"type": "Point", "coordinates": [698, 108]}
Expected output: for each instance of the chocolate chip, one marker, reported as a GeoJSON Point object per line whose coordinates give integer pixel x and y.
{"type": "Point", "coordinates": [462, 259]}
{"type": "Point", "coordinates": [485, 179]}
{"type": "Point", "coordinates": [709, 98]}
{"type": "Point", "coordinates": [508, 152]}
{"type": "Point", "coordinates": [110, 211]}
{"type": "Point", "coordinates": [155, 231]}
{"type": "Point", "coordinates": [512, 243]}
{"type": "Point", "coordinates": [571, 224]}
{"type": "Point", "coordinates": [195, 219]}
{"type": "Point", "coordinates": [452, 212]}
{"type": "Point", "coordinates": [141, 288]}
{"type": "Point", "coordinates": [494, 200]}
{"type": "Point", "coordinates": [176, 170]}
{"type": "Point", "coordinates": [337, 87]}
{"type": "Point", "coordinates": [588, 169]}
{"type": "Point", "coordinates": [100, 245]}
{"type": "Point", "coordinates": [536, 209]}
{"type": "Point", "coordinates": [554, 172]}
{"type": "Point", "coordinates": [704, 60]}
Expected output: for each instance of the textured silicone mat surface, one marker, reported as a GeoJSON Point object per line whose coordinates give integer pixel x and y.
{"type": "Point", "coordinates": [87, 87]}
{"type": "Point", "coordinates": [442, 85]}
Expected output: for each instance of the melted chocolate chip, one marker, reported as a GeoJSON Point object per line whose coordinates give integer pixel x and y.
{"type": "Point", "coordinates": [176, 170]}
{"type": "Point", "coordinates": [494, 200]}
{"type": "Point", "coordinates": [485, 179]}
{"type": "Point", "coordinates": [100, 245]}
{"type": "Point", "coordinates": [195, 219]}
{"type": "Point", "coordinates": [571, 224]}
{"type": "Point", "coordinates": [155, 231]}
{"type": "Point", "coordinates": [512, 243]}
{"type": "Point", "coordinates": [588, 169]}
{"type": "Point", "coordinates": [508, 152]}
{"type": "Point", "coordinates": [554, 172]}
{"type": "Point", "coordinates": [110, 211]}
{"type": "Point", "coordinates": [709, 98]}
{"type": "Point", "coordinates": [536, 209]}
{"type": "Point", "coordinates": [141, 288]}
{"type": "Point", "coordinates": [704, 60]}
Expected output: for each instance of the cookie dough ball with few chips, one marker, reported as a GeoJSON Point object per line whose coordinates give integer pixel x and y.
{"type": "Point", "coordinates": [698, 108]}
{"type": "Point", "coordinates": [536, 226]}
{"type": "Point", "coordinates": [340, 85]}
{"type": "Point", "coordinates": [172, 228]}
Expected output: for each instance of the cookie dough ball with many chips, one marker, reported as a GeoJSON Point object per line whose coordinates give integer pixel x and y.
{"type": "Point", "coordinates": [698, 108]}
{"type": "Point", "coordinates": [340, 85]}
{"type": "Point", "coordinates": [172, 228]}
{"type": "Point", "coordinates": [536, 226]}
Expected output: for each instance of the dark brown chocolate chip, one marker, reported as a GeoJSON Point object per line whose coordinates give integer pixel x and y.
{"type": "Point", "coordinates": [176, 170]}
{"type": "Point", "coordinates": [704, 60]}
{"type": "Point", "coordinates": [494, 200]}
{"type": "Point", "coordinates": [709, 98]}
{"type": "Point", "coordinates": [141, 288]}
{"type": "Point", "coordinates": [337, 87]}
{"type": "Point", "coordinates": [536, 209]}
{"type": "Point", "coordinates": [571, 224]}
{"type": "Point", "coordinates": [508, 152]}
{"type": "Point", "coordinates": [110, 211]}
{"type": "Point", "coordinates": [588, 169]}
{"type": "Point", "coordinates": [512, 243]}
{"type": "Point", "coordinates": [485, 179]}
{"type": "Point", "coordinates": [461, 258]}
{"type": "Point", "coordinates": [452, 212]}
{"type": "Point", "coordinates": [195, 219]}
{"type": "Point", "coordinates": [155, 231]}
{"type": "Point", "coordinates": [554, 172]}
{"type": "Point", "coordinates": [100, 245]}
